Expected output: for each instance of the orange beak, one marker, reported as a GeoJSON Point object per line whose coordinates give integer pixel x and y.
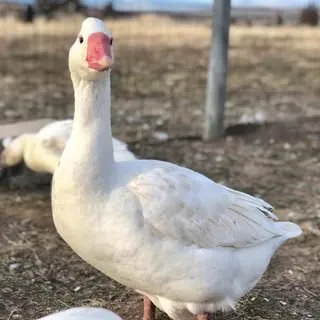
{"type": "Point", "coordinates": [99, 55]}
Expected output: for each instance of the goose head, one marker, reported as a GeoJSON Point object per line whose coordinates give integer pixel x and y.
{"type": "Point", "coordinates": [11, 151]}
{"type": "Point", "coordinates": [91, 55]}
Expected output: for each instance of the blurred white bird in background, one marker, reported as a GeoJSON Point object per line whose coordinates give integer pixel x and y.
{"type": "Point", "coordinates": [42, 150]}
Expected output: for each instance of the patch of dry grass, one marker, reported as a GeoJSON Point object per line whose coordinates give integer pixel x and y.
{"type": "Point", "coordinates": [157, 29]}
{"type": "Point", "coordinates": [166, 28]}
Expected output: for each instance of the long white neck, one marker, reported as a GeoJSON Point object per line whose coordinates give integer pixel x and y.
{"type": "Point", "coordinates": [91, 137]}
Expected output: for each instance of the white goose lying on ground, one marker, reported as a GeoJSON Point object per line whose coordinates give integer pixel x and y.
{"type": "Point", "coordinates": [41, 151]}
{"type": "Point", "coordinates": [83, 313]}
{"type": "Point", "coordinates": [190, 245]}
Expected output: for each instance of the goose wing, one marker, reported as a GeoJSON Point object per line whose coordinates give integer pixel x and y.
{"type": "Point", "coordinates": [55, 135]}
{"type": "Point", "coordinates": [184, 205]}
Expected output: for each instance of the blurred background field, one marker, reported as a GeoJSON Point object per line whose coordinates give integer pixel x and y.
{"type": "Point", "coordinates": [270, 148]}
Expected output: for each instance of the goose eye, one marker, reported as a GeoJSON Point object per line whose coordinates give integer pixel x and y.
{"type": "Point", "coordinates": [111, 41]}
{"type": "Point", "coordinates": [81, 39]}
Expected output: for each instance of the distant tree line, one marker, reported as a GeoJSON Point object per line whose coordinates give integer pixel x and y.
{"type": "Point", "coordinates": [307, 16]}
{"type": "Point", "coordinates": [50, 8]}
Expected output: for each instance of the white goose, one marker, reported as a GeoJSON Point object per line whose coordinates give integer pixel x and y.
{"type": "Point", "coordinates": [188, 244]}
{"type": "Point", "coordinates": [41, 151]}
{"type": "Point", "coordinates": [83, 313]}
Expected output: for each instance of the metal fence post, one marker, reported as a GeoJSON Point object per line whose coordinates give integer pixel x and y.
{"type": "Point", "coordinates": [217, 71]}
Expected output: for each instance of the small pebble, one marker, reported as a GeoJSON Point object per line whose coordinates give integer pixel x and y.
{"type": "Point", "coordinates": [160, 136]}
{"type": "Point", "coordinates": [287, 146]}
{"type": "Point", "coordinates": [10, 113]}
{"type": "Point", "coordinates": [76, 289]}
{"type": "Point", "coordinates": [200, 157]}
{"type": "Point", "coordinates": [131, 119]}
{"type": "Point", "coordinates": [159, 122]}
{"type": "Point", "coordinates": [14, 266]}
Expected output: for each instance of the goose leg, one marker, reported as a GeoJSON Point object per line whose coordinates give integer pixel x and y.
{"type": "Point", "coordinates": [149, 309]}
{"type": "Point", "coordinates": [205, 316]}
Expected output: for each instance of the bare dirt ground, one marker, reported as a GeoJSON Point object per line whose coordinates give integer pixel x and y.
{"type": "Point", "coordinates": [159, 86]}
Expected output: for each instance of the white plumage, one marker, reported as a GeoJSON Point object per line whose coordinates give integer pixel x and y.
{"type": "Point", "coordinates": [190, 245]}
{"type": "Point", "coordinates": [41, 151]}
{"type": "Point", "coordinates": [83, 313]}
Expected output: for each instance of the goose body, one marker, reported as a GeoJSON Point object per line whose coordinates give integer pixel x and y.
{"type": "Point", "coordinates": [41, 151]}
{"type": "Point", "coordinates": [83, 313]}
{"type": "Point", "coordinates": [190, 245]}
